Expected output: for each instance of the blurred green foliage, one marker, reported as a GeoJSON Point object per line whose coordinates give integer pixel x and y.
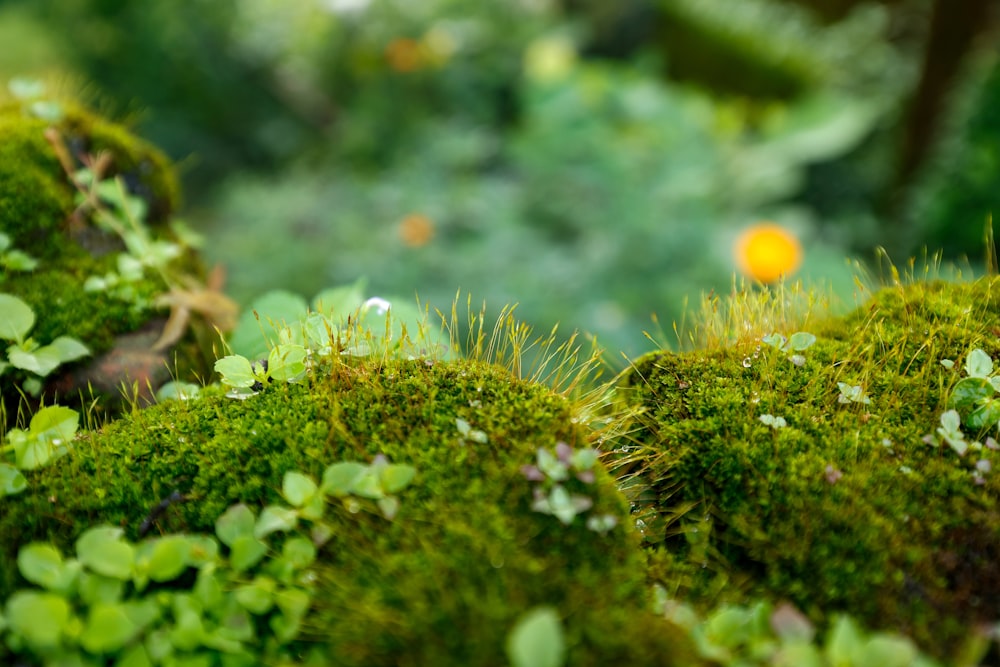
{"type": "Point", "coordinates": [961, 189]}
{"type": "Point", "coordinates": [592, 161]}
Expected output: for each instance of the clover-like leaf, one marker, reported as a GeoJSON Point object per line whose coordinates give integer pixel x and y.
{"type": "Point", "coordinates": [257, 597]}
{"type": "Point", "coordinates": [25, 608]}
{"type": "Point", "coordinates": [103, 550]}
{"type": "Point", "coordinates": [397, 476]}
{"type": "Point", "coordinates": [11, 480]}
{"type": "Point", "coordinates": [44, 566]}
{"type": "Point", "coordinates": [339, 478]}
{"type": "Point", "coordinates": [236, 371]}
{"type": "Point", "coordinates": [299, 552]}
{"type": "Point", "coordinates": [978, 364]}
{"type": "Point", "coordinates": [168, 558]}
{"type": "Point", "coordinates": [969, 392]}
{"type": "Point", "coordinates": [584, 459]}
{"type": "Point", "coordinates": [274, 518]}
{"type": "Point", "coordinates": [236, 522]}
{"type": "Point", "coordinates": [553, 468]}
{"type": "Point", "coordinates": [800, 340]}
{"type": "Point", "coordinates": [297, 488]}
{"type": "Point", "coordinates": [245, 552]}
{"type": "Point", "coordinates": [285, 363]}
{"type": "Point", "coordinates": [537, 640]}
{"type": "Point", "coordinates": [368, 485]}
{"type": "Point", "coordinates": [16, 318]}
{"type": "Point", "coordinates": [108, 628]}
{"type": "Point", "coordinates": [984, 415]}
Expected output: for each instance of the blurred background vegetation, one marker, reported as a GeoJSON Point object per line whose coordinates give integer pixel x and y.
{"type": "Point", "coordinates": [593, 161]}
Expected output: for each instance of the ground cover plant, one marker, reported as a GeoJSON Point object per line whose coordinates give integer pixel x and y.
{"type": "Point", "coordinates": [857, 477]}
{"type": "Point", "coordinates": [363, 483]}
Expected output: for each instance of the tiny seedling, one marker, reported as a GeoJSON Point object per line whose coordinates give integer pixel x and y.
{"type": "Point", "coordinates": [852, 394]}
{"type": "Point", "coordinates": [791, 346]}
{"type": "Point", "coordinates": [48, 437]}
{"type": "Point", "coordinates": [553, 471]}
{"type": "Point", "coordinates": [16, 320]}
{"type": "Point", "coordinates": [286, 362]}
{"type": "Point", "coordinates": [467, 433]}
{"type": "Point", "coordinates": [773, 422]}
{"type": "Point", "coordinates": [974, 396]}
{"type": "Point", "coordinates": [12, 259]}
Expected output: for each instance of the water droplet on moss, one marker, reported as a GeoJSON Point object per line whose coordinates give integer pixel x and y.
{"type": "Point", "coordinates": [746, 362]}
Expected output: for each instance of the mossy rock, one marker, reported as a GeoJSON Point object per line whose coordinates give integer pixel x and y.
{"type": "Point", "coordinates": [38, 212]}
{"type": "Point", "coordinates": [847, 507]}
{"type": "Point", "coordinates": [445, 580]}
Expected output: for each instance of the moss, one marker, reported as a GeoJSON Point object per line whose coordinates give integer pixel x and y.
{"type": "Point", "coordinates": [444, 582]}
{"type": "Point", "coordinates": [844, 509]}
{"type": "Point", "coordinates": [37, 211]}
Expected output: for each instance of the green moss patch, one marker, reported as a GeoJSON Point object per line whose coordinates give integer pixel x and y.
{"type": "Point", "coordinates": [843, 506]}
{"type": "Point", "coordinates": [440, 584]}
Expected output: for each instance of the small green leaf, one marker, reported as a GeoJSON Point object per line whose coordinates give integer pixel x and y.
{"type": "Point", "coordinates": [169, 557]}
{"type": "Point", "coordinates": [245, 552]}
{"type": "Point", "coordinates": [189, 629]}
{"type": "Point", "coordinates": [11, 480]}
{"type": "Point", "coordinates": [843, 642]}
{"type": "Point", "coordinates": [883, 650]}
{"type": "Point", "coordinates": [300, 552]}
{"type": "Point", "coordinates": [584, 459]}
{"type": "Point", "coordinates": [285, 363]}
{"type": "Point", "coordinates": [951, 422]}
{"type": "Point", "coordinates": [102, 550]}
{"type": "Point", "coordinates": [969, 392]}
{"type": "Point", "coordinates": [297, 488]}
{"type": "Point", "coordinates": [728, 626]}
{"type": "Point", "coordinates": [55, 423]}
{"type": "Point", "coordinates": [293, 603]}
{"type": "Point", "coordinates": [368, 485]}
{"type": "Point", "coordinates": [25, 608]}
{"type": "Point", "coordinates": [257, 597]}
{"type": "Point", "coordinates": [66, 349]}
{"type": "Point", "coordinates": [339, 478]}
{"type": "Point", "coordinates": [978, 364]}
{"type": "Point", "coordinates": [16, 318]}
{"type": "Point", "coordinates": [176, 390]}
{"type": "Point", "coordinates": [800, 340]}
{"type": "Point", "coordinates": [238, 521]}
{"type": "Point", "coordinates": [42, 565]}
{"type": "Point", "coordinates": [108, 628]}
{"type": "Point", "coordinates": [23, 88]}
{"type": "Point", "coordinates": [553, 468]}
{"type": "Point", "coordinates": [236, 371]}
{"type": "Point", "coordinates": [341, 301]}
{"type": "Point", "coordinates": [565, 506]}
{"type": "Point", "coordinates": [397, 476]}
{"type": "Point", "coordinates": [93, 588]}
{"type": "Point", "coordinates": [389, 506]}
{"type": "Point", "coordinates": [314, 508]}
{"type": "Point", "coordinates": [985, 415]}
{"type": "Point", "coordinates": [537, 640]}
{"type": "Point", "coordinates": [274, 518]}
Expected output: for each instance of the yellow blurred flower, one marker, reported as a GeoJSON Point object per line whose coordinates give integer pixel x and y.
{"type": "Point", "coordinates": [416, 230]}
{"type": "Point", "coordinates": [405, 55]}
{"type": "Point", "coordinates": [767, 251]}
{"type": "Point", "coordinates": [549, 59]}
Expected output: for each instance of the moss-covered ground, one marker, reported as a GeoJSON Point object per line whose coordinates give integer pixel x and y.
{"type": "Point", "coordinates": [845, 508]}
{"type": "Point", "coordinates": [440, 584]}
{"type": "Point", "coordinates": [42, 216]}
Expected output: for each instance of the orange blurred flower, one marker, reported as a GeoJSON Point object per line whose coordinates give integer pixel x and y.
{"type": "Point", "coordinates": [766, 252]}
{"type": "Point", "coordinates": [416, 230]}
{"type": "Point", "coordinates": [404, 55]}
